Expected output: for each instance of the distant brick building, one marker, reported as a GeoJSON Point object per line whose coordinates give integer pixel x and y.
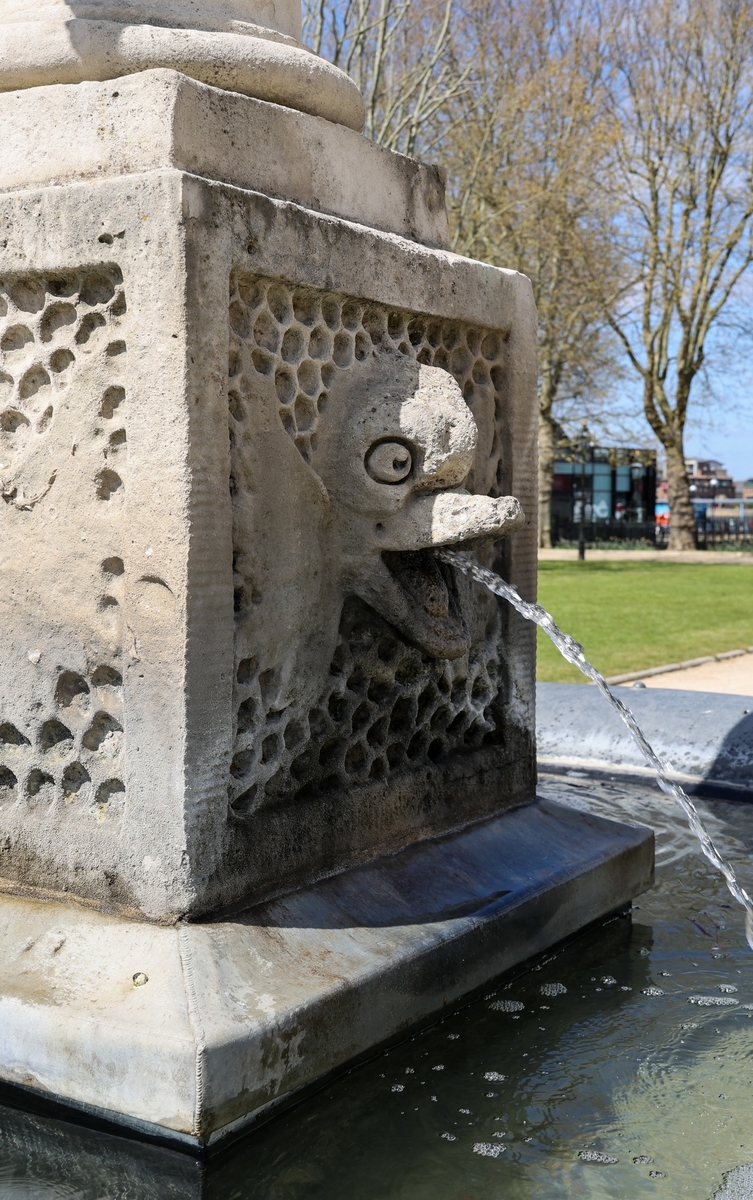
{"type": "Point", "coordinates": [708, 480]}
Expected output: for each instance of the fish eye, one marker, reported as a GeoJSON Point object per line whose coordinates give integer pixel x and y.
{"type": "Point", "coordinates": [389, 462]}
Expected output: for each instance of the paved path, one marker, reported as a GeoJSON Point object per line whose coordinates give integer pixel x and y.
{"type": "Point", "coordinates": [688, 556]}
{"type": "Point", "coordinates": [733, 676]}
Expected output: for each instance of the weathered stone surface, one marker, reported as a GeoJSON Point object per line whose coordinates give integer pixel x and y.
{"type": "Point", "coordinates": [213, 686]}
{"type": "Point", "coordinates": [242, 47]}
{"type": "Point", "coordinates": [237, 1016]}
{"type": "Point", "coordinates": [163, 119]}
{"type": "Point", "coordinates": [234, 677]}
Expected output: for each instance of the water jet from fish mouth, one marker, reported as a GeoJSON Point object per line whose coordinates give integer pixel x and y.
{"type": "Point", "coordinates": [573, 653]}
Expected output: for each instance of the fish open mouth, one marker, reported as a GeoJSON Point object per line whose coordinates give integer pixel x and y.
{"type": "Point", "coordinates": [410, 587]}
{"type": "Point", "coordinates": [430, 614]}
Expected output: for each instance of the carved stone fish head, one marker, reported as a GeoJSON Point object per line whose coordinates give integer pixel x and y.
{"type": "Point", "coordinates": [393, 453]}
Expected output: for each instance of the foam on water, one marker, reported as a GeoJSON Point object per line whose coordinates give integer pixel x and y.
{"type": "Point", "coordinates": [595, 1156]}
{"type": "Point", "coordinates": [488, 1149]}
{"type": "Point", "coordinates": [572, 651]}
{"type": "Point", "coordinates": [713, 1001]}
{"type": "Point", "coordinates": [508, 1006]}
{"type": "Point", "coordinates": [552, 989]}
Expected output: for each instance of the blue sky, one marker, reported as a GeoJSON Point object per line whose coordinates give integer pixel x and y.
{"type": "Point", "coordinates": [720, 413]}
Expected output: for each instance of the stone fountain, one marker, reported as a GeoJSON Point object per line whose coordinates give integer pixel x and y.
{"type": "Point", "coordinates": [267, 768]}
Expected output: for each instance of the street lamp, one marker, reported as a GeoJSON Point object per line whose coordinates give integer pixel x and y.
{"type": "Point", "coordinates": [636, 496]}
{"type": "Point", "coordinates": [584, 446]}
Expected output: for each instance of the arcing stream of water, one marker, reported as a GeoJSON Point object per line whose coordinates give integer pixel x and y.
{"type": "Point", "coordinates": [573, 652]}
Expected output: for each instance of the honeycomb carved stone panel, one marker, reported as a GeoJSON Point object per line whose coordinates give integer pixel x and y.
{"type": "Point", "coordinates": [63, 479]}
{"type": "Point", "coordinates": [329, 694]}
{"type": "Point", "coordinates": [303, 339]}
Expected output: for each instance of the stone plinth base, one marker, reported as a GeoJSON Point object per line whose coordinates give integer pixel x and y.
{"type": "Point", "coordinates": [237, 1016]}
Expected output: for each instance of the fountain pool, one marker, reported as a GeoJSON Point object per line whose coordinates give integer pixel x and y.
{"type": "Point", "coordinates": [591, 1054]}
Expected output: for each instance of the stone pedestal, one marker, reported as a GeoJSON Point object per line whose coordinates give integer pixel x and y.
{"type": "Point", "coordinates": [213, 688]}
{"type": "Point", "coordinates": [244, 394]}
{"type": "Point", "coordinates": [239, 1016]}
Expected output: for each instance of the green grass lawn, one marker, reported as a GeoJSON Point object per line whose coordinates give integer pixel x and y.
{"type": "Point", "coordinates": [631, 615]}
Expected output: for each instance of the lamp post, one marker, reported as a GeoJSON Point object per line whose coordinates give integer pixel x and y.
{"type": "Point", "coordinates": [636, 498]}
{"type": "Point", "coordinates": [584, 447]}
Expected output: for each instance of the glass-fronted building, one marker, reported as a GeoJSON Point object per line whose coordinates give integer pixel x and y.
{"type": "Point", "coordinates": [614, 489]}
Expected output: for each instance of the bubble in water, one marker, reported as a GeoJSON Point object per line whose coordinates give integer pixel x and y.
{"type": "Point", "coordinates": [440, 1067]}
{"type": "Point", "coordinates": [727, 987]}
{"type": "Point", "coordinates": [398, 1087]}
{"type": "Point", "coordinates": [453, 1037]}
{"type": "Point", "coordinates": [507, 1006]}
{"type": "Point", "coordinates": [494, 1077]}
{"type": "Point", "coordinates": [642, 1159]}
{"type": "Point", "coordinates": [656, 1174]}
{"type": "Point", "coordinates": [652, 991]}
{"type": "Point", "coordinates": [608, 980]}
{"type": "Point", "coordinates": [644, 953]}
{"type": "Point", "coordinates": [488, 1149]}
{"type": "Point", "coordinates": [625, 988]}
{"type": "Point", "coordinates": [448, 1137]}
{"type": "Point", "coordinates": [465, 1111]}
{"type": "Point", "coordinates": [712, 1001]}
{"type": "Point", "coordinates": [693, 1025]}
{"type": "Point", "coordinates": [596, 1156]}
{"type": "Point", "coordinates": [553, 989]}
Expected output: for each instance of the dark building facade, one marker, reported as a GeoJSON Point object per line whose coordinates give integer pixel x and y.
{"type": "Point", "coordinates": [613, 488]}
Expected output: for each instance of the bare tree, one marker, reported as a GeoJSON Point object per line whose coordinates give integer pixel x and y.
{"type": "Point", "coordinates": [682, 101]}
{"type": "Point", "coordinates": [397, 51]}
{"type": "Point", "coordinates": [526, 146]}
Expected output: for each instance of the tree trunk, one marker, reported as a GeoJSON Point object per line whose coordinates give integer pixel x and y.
{"type": "Point", "coordinates": [681, 518]}
{"type": "Point", "coordinates": [546, 471]}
